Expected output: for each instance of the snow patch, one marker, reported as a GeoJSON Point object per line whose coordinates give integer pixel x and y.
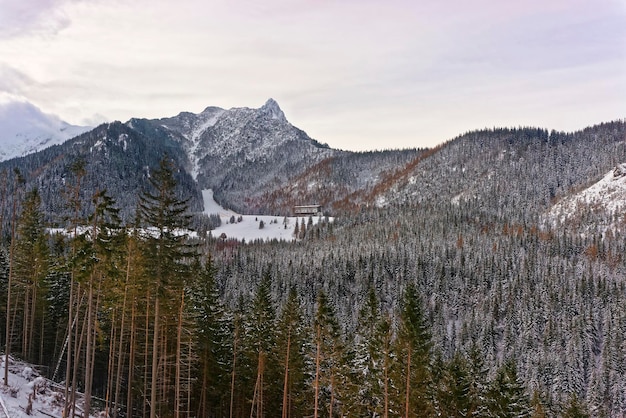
{"type": "Point", "coordinates": [607, 196]}
{"type": "Point", "coordinates": [29, 391]}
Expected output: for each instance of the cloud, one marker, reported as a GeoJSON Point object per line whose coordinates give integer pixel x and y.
{"type": "Point", "coordinates": [22, 18]}
{"type": "Point", "coordinates": [13, 82]}
{"type": "Point", "coordinates": [422, 70]}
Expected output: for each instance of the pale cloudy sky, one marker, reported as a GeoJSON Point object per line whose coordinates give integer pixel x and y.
{"type": "Point", "coordinates": [356, 74]}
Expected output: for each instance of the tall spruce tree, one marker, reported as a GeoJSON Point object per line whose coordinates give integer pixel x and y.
{"type": "Point", "coordinates": [290, 349]}
{"type": "Point", "coordinates": [414, 348]}
{"type": "Point", "coordinates": [100, 261]}
{"type": "Point", "coordinates": [329, 350]}
{"type": "Point", "coordinates": [260, 336]}
{"type": "Point", "coordinates": [454, 389]}
{"type": "Point", "coordinates": [17, 192]}
{"type": "Point", "coordinates": [213, 331]}
{"type": "Point", "coordinates": [167, 257]}
{"type": "Point", "coordinates": [369, 369]}
{"type": "Point", "coordinates": [31, 265]}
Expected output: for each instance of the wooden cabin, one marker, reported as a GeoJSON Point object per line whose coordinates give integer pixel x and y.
{"type": "Point", "coordinates": [307, 210]}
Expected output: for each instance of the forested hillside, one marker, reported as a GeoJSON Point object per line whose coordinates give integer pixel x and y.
{"type": "Point", "coordinates": [437, 291]}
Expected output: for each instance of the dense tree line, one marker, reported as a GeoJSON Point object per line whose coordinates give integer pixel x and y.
{"type": "Point", "coordinates": [550, 300]}
{"type": "Point", "coordinates": [450, 317]}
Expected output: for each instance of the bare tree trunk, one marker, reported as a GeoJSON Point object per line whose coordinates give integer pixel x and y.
{"type": "Point", "coordinates": [89, 343]}
{"type": "Point", "coordinates": [261, 375]}
{"type": "Point", "coordinates": [70, 327]}
{"type": "Point", "coordinates": [145, 362]}
{"type": "Point", "coordinates": [131, 361]}
{"type": "Point", "coordinates": [78, 170]}
{"type": "Point", "coordinates": [7, 350]}
{"type": "Point", "coordinates": [120, 352]}
{"type": "Point", "coordinates": [155, 358]}
{"type": "Point", "coordinates": [255, 395]}
{"type": "Point", "coordinates": [332, 393]}
{"type": "Point", "coordinates": [317, 373]}
{"type": "Point", "coordinates": [41, 339]}
{"type": "Point", "coordinates": [386, 377]}
{"type": "Point", "coordinates": [408, 385]}
{"type": "Point", "coordinates": [33, 310]}
{"type": "Point", "coordinates": [26, 320]}
{"type": "Point", "coordinates": [163, 366]}
{"type": "Point", "coordinates": [189, 353]}
{"type": "Point", "coordinates": [74, 303]}
{"type": "Point", "coordinates": [78, 346]}
{"type": "Point", "coordinates": [232, 378]}
{"type": "Point", "coordinates": [202, 404]}
{"type": "Point", "coordinates": [179, 333]}
{"type": "Point", "coordinates": [286, 378]}
{"type": "Point", "coordinates": [111, 365]}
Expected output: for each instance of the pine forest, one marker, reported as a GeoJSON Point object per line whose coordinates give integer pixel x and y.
{"type": "Point", "coordinates": [422, 307]}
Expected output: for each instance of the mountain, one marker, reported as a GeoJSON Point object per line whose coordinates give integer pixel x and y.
{"type": "Point", "coordinates": [240, 153]}
{"type": "Point", "coordinates": [26, 129]}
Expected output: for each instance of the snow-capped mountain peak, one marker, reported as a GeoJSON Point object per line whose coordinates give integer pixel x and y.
{"type": "Point", "coordinates": [271, 109]}
{"type": "Point", "coordinates": [26, 129]}
{"type": "Point", "coordinates": [238, 135]}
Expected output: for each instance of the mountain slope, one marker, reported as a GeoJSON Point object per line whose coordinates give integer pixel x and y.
{"type": "Point", "coordinates": [26, 129]}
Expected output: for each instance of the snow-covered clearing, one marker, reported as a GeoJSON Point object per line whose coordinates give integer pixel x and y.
{"type": "Point", "coordinates": [275, 227]}
{"type": "Point", "coordinates": [244, 227]}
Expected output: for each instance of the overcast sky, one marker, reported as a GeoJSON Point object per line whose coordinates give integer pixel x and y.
{"type": "Point", "coordinates": [356, 74]}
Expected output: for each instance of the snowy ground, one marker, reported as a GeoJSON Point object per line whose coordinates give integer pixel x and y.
{"type": "Point", "coordinates": [276, 227]}
{"type": "Point", "coordinates": [46, 397]}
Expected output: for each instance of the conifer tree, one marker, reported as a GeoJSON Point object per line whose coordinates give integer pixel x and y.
{"type": "Point", "coordinates": [507, 396]}
{"type": "Point", "coordinates": [167, 254]}
{"type": "Point", "coordinates": [414, 346]}
{"type": "Point", "coordinates": [370, 365]}
{"type": "Point", "coordinates": [454, 395]}
{"type": "Point", "coordinates": [260, 326]}
{"type": "Point", "coordinates": [328, 357]}
{"type": "Point", "coordinates": [98, 260]}
{"type": "Point", "coordinates": [31, 265]}
{"type": "Point", "coordinates": [213, 331]}
{"type": "Point", "coordinates": [74, 202]}
{"type": "Point", "coordinates": [19, 181]}
{"type": "Point", "coordinates": [290, 349]}
{"type": "Point", "coordinates": [575, 409]}
{"type": "Point", "coordinates": [478, 380]}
